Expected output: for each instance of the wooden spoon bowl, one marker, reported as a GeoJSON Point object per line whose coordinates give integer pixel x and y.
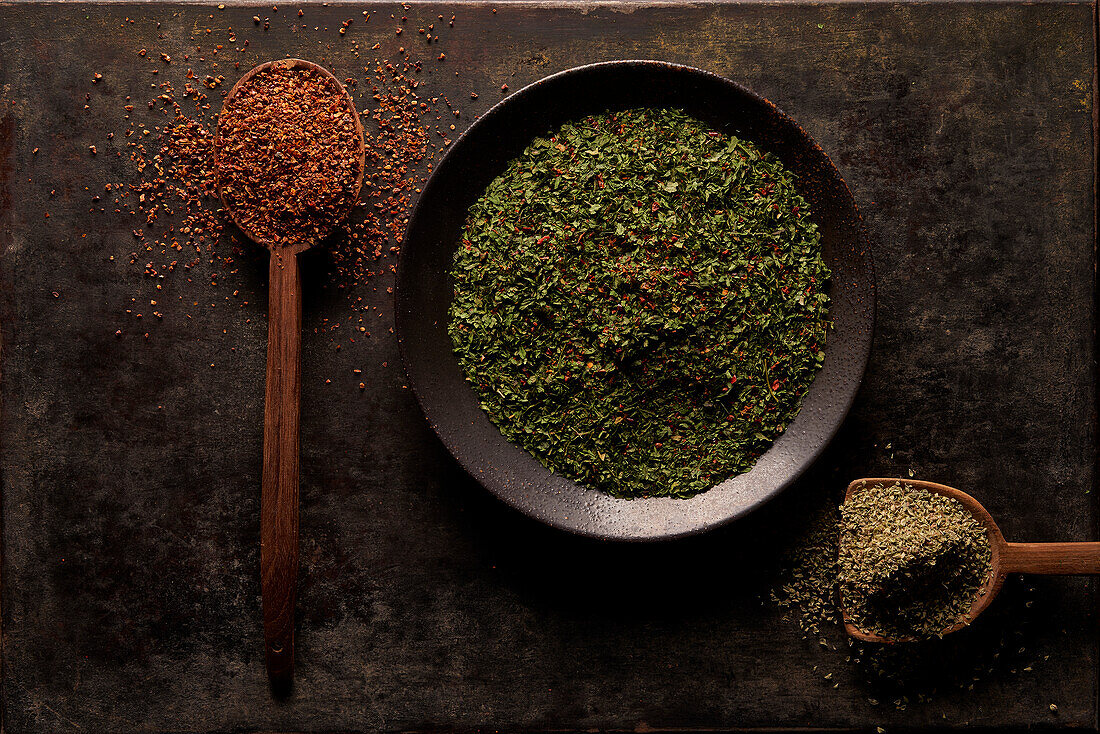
{"type": "Point", "coordinates": [1064, 559]}
{"type": "Point", "coordinates": [282, 410]}
{"type": "Point", "coordinates": [233, 215]}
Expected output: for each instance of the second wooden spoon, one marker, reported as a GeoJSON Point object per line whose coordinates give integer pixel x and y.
{"type": "Point", "coordinates": [1064, 559]}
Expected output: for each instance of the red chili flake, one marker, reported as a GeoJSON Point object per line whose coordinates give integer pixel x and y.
{"type": "Point", "coordinates": [299, 120]}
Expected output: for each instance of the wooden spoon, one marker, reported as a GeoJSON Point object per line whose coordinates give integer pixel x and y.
{"type": "Point", "coordinates": [279, 495]}
{"type": "Point", "coordinates": [1056, 559]}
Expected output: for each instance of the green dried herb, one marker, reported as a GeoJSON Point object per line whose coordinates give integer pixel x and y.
{"type": "Point", "coordinates": [910, 561]}
{"type": "Point", "coordinates": [808, 581]}
{"type": "Point", "coordinates": [640, 302]}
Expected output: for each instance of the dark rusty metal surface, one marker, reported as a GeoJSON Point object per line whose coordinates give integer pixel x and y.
{"type": "Point", "coordinates": [424, 292]}
{"type": "Point", "coordinates": [130, 468]}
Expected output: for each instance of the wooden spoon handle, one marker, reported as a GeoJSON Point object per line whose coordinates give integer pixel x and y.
{"type": "Point", "coordinates": [279, 498]}
{"type": "Point", "coordinates": [1062, 559]}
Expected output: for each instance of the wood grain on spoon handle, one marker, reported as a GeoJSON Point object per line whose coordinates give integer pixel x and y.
{"type": "Point", "coordinates": [1063, 559]}
{"type": "Point", "coordinates": [279, 498]}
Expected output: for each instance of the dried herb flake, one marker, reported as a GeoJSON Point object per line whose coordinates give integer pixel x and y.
{"type": "Point", "coordinates": [640, 302]}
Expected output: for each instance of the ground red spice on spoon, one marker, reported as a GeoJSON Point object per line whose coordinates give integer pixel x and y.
{"type": "Point", "coordinates": [288, 155]}
{"type": "Point", "coordinates": [169, 200]}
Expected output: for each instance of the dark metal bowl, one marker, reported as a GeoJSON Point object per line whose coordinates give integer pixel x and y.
{"type": "Point", "coordinates": [424, 292]}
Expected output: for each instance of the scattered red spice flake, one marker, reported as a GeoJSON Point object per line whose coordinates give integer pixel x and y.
{"type": "Point", "coordinates": [176, 196]}
{"type": "Point", "coordinates": [397, 143]}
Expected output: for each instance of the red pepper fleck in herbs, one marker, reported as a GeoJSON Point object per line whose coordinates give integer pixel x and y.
{"type": "Point", "coordinates": [635, 304]}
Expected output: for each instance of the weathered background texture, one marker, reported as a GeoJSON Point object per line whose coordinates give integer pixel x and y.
{"type": "Point", "coordinates": [131, 467]}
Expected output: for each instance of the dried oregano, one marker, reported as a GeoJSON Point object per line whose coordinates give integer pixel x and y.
{"type": "Point", "coordinates": [911, 561]}
{"type": "Point", "coordinates": [893, 676]}
{"type": "Point", "coordinates": [807, 584]}
{"type": "Point", "coordinates": [640, 302]}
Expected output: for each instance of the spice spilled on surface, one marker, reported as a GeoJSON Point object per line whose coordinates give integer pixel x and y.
{"type": "Point", "coordinates": [911, 562]}
{"type": "Point", "coordinates": [906, 674]}
{"type": "Point", "coordinates": [289, 155]}
{"type": "Point", "coordinates": [640, 302]}
{"type": "Point", "coordinates": [169, 201]}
